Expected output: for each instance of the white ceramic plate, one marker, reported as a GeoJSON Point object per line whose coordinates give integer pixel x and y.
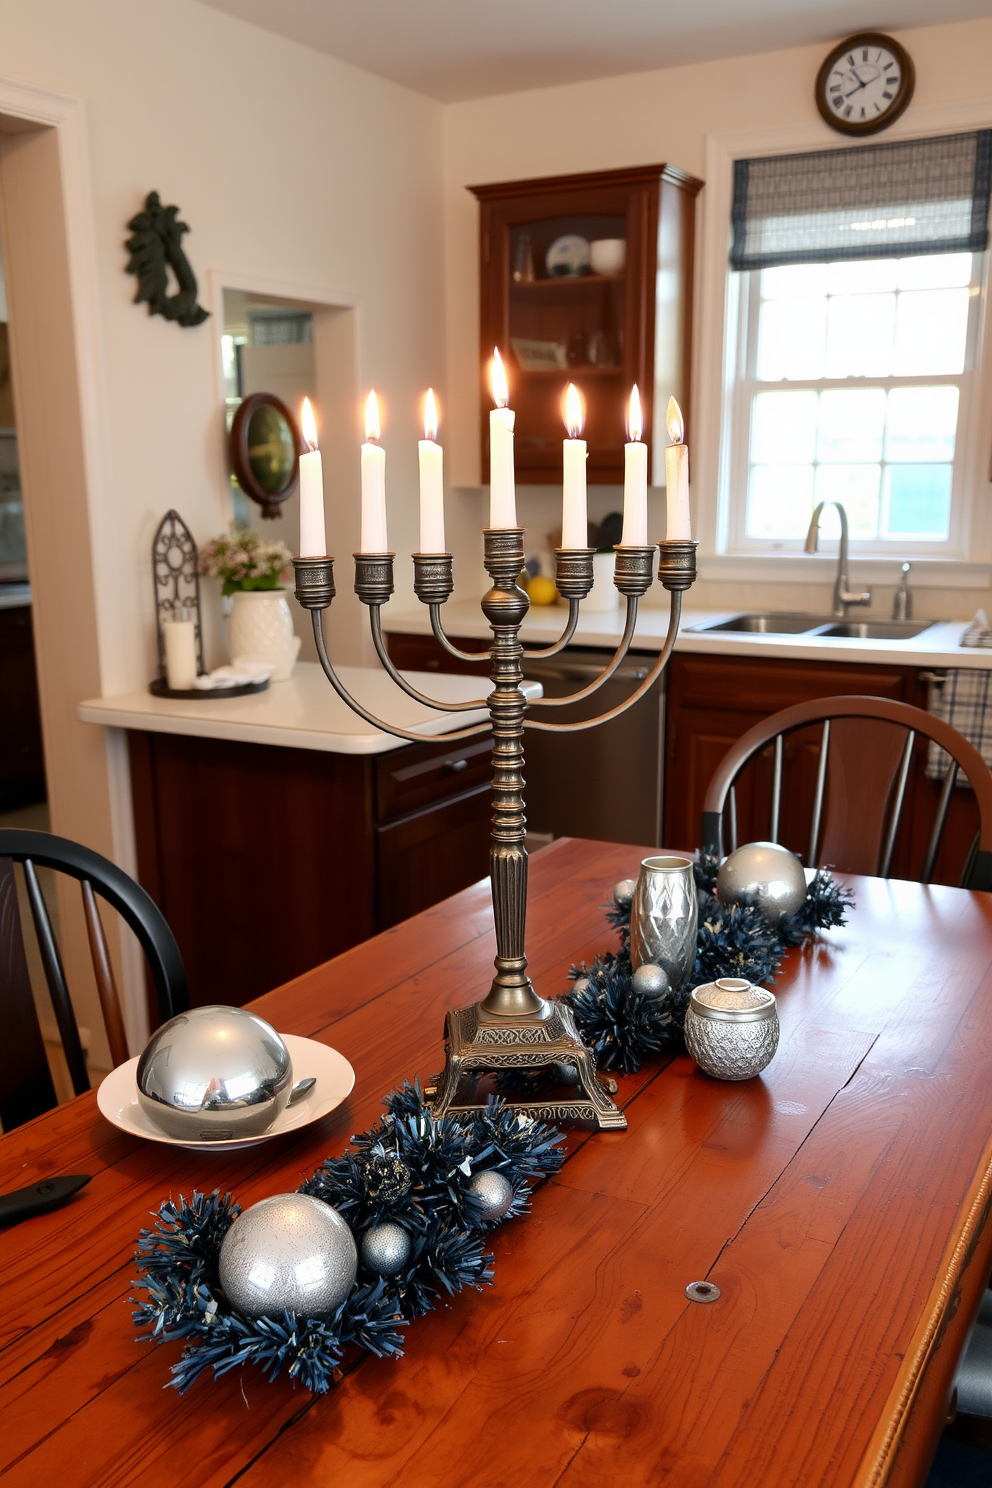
{"type": "Point", "coordinates": [568, 254]}
{"type": "Point", "coordinates": [117, 1097]}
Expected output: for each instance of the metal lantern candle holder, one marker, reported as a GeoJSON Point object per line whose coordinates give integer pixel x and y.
{"type": "Point", "coordinates": [511, 1029]}
{"type": "Point", "coordinates": [176, 574]}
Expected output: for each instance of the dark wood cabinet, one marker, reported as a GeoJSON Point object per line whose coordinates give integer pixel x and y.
{"type": "Point", "coordinates": [713, 700]}
{"type": "Point", "coordinates": [22, 764]}
{"type": "Point", "coordinates": [267, 861]}
{"type": "Point", "coordinates": [604, 331]}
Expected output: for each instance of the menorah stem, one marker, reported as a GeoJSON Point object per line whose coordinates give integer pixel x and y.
{"type": "Point", "coordinates": [505, 606]}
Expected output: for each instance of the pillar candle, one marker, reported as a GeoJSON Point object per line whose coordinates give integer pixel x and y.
{"type": "Point", "coordinates": [677, 476]}
{"type": "Point", "coordinates": [313, 543]}
{"type": "Point", "coordinates": [431, 482]}
{"type": "Point", "coordinates": [635, 479]}
{"type": "Point", "coordinates": [574, 519]}
{"type": "Point", "coordinates": [502, 495]}
{"type": "Point", "coordinates": [180, 654]}
{"type": "Point", "coordinates": [374, 539]}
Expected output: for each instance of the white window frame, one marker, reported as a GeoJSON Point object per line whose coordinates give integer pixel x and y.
{"type": "Point", "coordinates": [965, 561]}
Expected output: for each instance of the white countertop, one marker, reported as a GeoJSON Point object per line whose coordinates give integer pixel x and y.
{"type": "Point", "coordinates": [937, 646]}
{"type": "Point", "coordinates": [305, 712]}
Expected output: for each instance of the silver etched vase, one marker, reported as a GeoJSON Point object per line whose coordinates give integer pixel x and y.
{"type": "Point", "coordinates": [664, 917]}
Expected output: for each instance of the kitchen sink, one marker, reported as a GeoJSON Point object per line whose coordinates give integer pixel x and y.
{"type": "Point", "coordinates": [791, 622]}
{"type": "Point", "coordinates": [877, 630]}
{"type": "Point", "coordinates": [768, 622]}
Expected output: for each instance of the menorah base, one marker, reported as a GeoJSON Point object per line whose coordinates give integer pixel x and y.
{"type": "Point", "coordinates": [530, 1047]}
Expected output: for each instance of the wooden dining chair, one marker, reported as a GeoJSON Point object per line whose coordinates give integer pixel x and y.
{"type": "Point", "coordinates": [863, 764]}
{"type": "Point", "coordinates": [26, 1087]}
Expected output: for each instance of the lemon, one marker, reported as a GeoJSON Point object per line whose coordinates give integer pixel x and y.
{"type": "Point", "coordinates": [542, 591]}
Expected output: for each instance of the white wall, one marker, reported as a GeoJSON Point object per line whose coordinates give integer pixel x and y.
{"type": "Point", "coordinates": [646, 117]}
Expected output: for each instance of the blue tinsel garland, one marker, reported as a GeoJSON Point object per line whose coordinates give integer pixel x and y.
{"type": "Point", "coordinates": [735, 940]}
{"type": "Point", "coordinates": [414, 1170]}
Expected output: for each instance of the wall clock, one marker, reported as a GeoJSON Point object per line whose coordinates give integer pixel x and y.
{"type": "Point", "coordinates": [865, 83]}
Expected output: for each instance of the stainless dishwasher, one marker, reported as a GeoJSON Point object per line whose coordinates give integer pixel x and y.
{"type": "Point", "coordinates": [605, 782]}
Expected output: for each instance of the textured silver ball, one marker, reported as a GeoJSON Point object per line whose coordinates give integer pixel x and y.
{"type": "Point", "coordinates": [623, 892]}
{"type": "Point", "coordinates": [564, 1073]}
{"type": "Point", "coordinates": [771, 872]}
{"type": "Point", "coordinates": [651, 981]}
{"type": "Point", "coordinates": [385, 1249]}
{"type": "Point", "coordinates": [580, 984]}
{"type": "Point", "coordinates": [291, 1252]}
{"type": "Point", "coordinates": [214, 1074]}
{"type": "Point", "coordinates": [494, 1194]}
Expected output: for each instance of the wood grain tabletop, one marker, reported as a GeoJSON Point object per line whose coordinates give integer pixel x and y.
{"type": "Point", "coordinates": [840, 1202]}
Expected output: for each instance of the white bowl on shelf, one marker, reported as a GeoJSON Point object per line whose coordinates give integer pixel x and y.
{"type": "Point", "coordinates": [608, 255]}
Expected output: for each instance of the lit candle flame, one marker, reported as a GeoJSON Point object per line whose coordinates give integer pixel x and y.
{"type": "Point", "coordinates": [371, 417]}
{"type": "Point", "coordinates": [497, 381]}
{"type": "Point", "coordinates": [430, 415]}
{"type": "Point", "coordinates": [575, 414]}
{"type": "Point", "coordinates": [674, 422]}
{"type": "Point", "coordinates": [308, 424]}
{"type": "Point", "coordinates": [635, 424]}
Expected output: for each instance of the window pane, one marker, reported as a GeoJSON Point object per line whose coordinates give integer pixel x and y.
{"type": "Point", "coordinates": [934, 271]}
{"type": "Point", "coordinates": [780, 501]}
{"type": "Point", "coordinates": [858, 487]}
{"type": "Point", "coordinates": [921, 423]}
{"type": "Point", "coordinates": [930, 332]}
{"type": "Point", "coordinates": [918, 501]}
{"type": "Point", "coordinates": [783, 431]}
{"type": "Point", "coordinates": [805, 281]}
{"type": "Point", "coordinates": [790, 339]}
{"type": "Point", "coordinates": [861, 276]}
{"type": "Point", "coordinates": [851, 425]}
{"type": "Point", "coordinates": [859, 335]}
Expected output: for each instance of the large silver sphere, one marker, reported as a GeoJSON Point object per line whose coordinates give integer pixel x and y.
{"type": "Point", "coordinates": [651, 981]}
{"type": "Point", "coordinates": [291, 1252]}
{"type": "Point", "coordinates": [623, 892]}
{"type": "Point", "coordinates": [386, 1248]}
{"type": "Point", "coordinates": [214, 1074]}
{"type": "Point", "coordinates": [771, 872]}
{"type": "Point", "coordinates": [494, 1194]}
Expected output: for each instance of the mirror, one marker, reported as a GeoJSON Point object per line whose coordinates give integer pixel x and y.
{"type": "Point", "coordinates": [266, 444]}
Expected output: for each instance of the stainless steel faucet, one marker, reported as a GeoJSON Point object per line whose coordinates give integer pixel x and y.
{"type": "Point", "coordinates": [843, 598]}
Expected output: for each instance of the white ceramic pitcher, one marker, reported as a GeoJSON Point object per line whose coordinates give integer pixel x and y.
{"type": "Point", "coordinates": [261, 629]}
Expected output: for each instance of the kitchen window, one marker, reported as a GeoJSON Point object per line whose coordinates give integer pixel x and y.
{"type": "Point", "coordinates": [859, 293]}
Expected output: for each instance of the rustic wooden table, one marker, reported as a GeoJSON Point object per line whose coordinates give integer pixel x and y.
{"type": "Point", "coordinates": [840, 1203]}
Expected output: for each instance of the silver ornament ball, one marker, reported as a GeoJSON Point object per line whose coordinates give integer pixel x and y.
{"type": "Point", "coordinates": [651, 981]}
{"type": "Point", "coordinates": [494, 1194]}
{"type": "Point", "coordinates": [288, 1253]}
{"type": "Point", "coordinates": [385, 1248]}
{"type": "Point", "coordinates": [623, 892]}
{"type": "Point", "coordinates": [580, 984]}
{"type": "Point", "coordinates": [766, 870]}
{"type": "Point", "coordinates": [214, 1074]}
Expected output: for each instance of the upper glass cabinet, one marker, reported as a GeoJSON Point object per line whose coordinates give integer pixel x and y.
{"type": "Point", "coordinates": [587, 279]}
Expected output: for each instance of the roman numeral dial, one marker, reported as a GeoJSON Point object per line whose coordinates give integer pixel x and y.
{"type": "Point", "coordinates": [864, 83]}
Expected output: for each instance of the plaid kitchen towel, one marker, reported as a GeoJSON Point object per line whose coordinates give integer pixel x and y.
{"type": "Point", "coordinates": [964, 700]}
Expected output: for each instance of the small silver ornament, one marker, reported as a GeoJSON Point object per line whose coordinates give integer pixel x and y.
{"type": "Point", "coordinates": [581, 984]}
{"type": "Point", "coordinates": [732, 1028]}
{"type": "Point", "coordinates": [494, 1194]}
{"type": "Point", "coordinates": [291, 1252]}
{"type": "Point", "coordinates": [623, 892]}
{"type": "Point", "coordinates": [651, 981]}
{"type": "Point", "coordinates": [214, 1074]}
{"type": "Point", "coordinates": [564, 1074]}
{"type": "Point", "coordinates": [772, 873]}
{"type": "Point", "coordinates": [385, 1248]}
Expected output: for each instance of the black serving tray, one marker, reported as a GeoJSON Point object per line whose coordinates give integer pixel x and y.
{"type": "Point", "coordinates": [161, 689]}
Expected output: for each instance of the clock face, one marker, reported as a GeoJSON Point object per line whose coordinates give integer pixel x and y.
{"type": "Point", "coordinates": [864, 84]}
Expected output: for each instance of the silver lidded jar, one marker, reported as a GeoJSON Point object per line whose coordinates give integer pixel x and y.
{"type": "Point", "coordinates": [214, 1074]}
{"type": "Point", "coordinates": [732, 1028]}
{"type": "Point", "coordinates": [664, 918]}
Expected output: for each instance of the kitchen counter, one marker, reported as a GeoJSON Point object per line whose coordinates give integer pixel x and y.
{"type": "Point", "coordinates": [939, 646]}
{"type": "Point", "coordinates": [303, 713]}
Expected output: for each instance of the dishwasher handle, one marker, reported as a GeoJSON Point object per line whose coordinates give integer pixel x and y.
{"type": "Point", "coordinates": [582, 671]}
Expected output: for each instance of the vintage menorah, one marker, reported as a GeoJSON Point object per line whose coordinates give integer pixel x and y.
{"type": "Point", "coordinates": [511, 1029]}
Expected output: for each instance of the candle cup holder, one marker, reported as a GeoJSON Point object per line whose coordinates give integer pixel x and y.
{"type": "Point", "coordinates": [512, 1033]}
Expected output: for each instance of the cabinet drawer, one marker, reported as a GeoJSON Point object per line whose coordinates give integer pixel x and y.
{"type": "Point", "coordinates": [410, 779]}
{"type": "Point", "coordinates": [422, 653]}
{"type": "Point", "coordinates": [429, 855]}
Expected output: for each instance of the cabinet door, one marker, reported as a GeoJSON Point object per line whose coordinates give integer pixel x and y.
{"type": "Point", "coordinates": [422, 653]}
{"type": "Point", "coordinates": [713, 700]}
{"type": "Point", "coordinates": [427, 856]}
{"type": "Point", "coordinates": [604, 325]}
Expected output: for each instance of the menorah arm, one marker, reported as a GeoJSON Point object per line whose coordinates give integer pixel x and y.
{"type": "Point", "coordinates": [438, 629]}
{"type": "Point", "coordinates": [563, 639]}
{"type": "Point", "coordinates": [317, 615]}
{"type": "Point", "coordinates": [608, 670]}
{"type": "Point", "coordinates": [675, 615]}
{"type": "Point", "coordinates": [375, 620]}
